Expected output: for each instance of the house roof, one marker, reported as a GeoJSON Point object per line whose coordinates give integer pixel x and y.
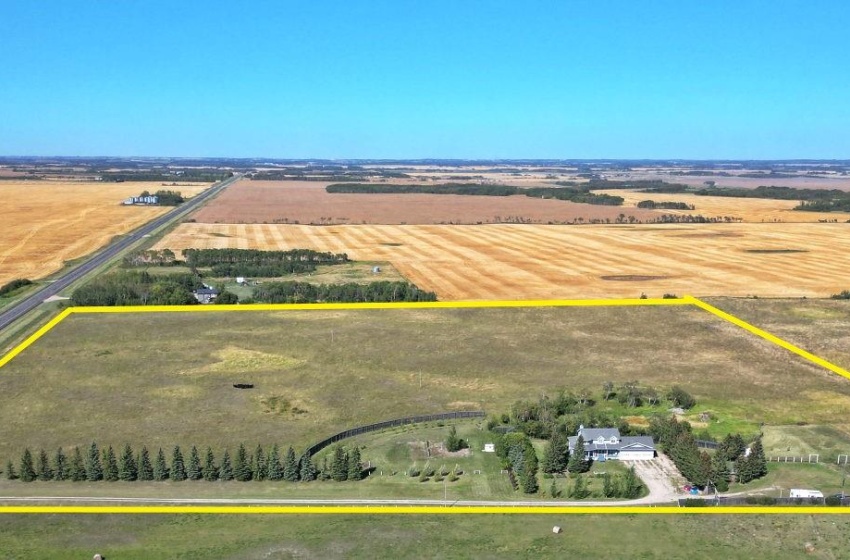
{"type": "Point", "coordinates": [590, 434]}
{"type": "Point", "coordinates": [627, 443]}
{"type": "Point", "coordinates": [206, 292]}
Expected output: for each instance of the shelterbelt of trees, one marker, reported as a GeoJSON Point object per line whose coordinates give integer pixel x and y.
{"type": "Point", "coordinates": [572, 192]}
{"type": "Point", "coordinates": [140, 287]}
{"type": "Point", "coordinates": [263, 264]}
{"type": "Point", "coordinates": [303, 292]}
{"type": "Point", "coordinates": [94, 465]}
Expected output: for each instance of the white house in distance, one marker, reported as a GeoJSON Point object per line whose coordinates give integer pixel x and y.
{"type": "Point", "coordinates": [601, 444]}
{"type": "Point", "coordinates": [149, 200]}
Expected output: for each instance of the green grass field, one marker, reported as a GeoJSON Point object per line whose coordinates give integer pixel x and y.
{"type": "Point", "coordinates": [152, 537]}
{"type": "Point", "coordinates": [166, 378]}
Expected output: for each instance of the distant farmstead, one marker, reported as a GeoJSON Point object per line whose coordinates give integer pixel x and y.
{"type": "Point", "coordinates": [601, 444]}
{"type": "Point", "coordinates": [149, 200]}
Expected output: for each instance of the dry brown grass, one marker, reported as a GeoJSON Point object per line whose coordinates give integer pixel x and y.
{"type": "Point", "coordinates": [47, 223]}
{"type": "Point", "coordinates": [536, 261]}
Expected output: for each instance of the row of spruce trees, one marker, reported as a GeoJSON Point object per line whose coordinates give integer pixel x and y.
{"type": "Point", "coordinates": [95, 465]}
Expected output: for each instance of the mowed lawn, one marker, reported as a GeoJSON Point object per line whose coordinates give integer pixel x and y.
{"type": "Point", "coordinates": [167, 378]}
{"type": "Point", "coordinates": [243, 537]}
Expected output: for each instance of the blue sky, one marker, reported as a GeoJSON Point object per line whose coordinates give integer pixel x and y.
{"type": "Point", "coordinates": [404, 79]}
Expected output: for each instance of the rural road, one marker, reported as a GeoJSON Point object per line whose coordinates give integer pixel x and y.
{"type": "Point", "coordinates": [15, 311]}
{"type": "Point", "coordinates": [316, 502]}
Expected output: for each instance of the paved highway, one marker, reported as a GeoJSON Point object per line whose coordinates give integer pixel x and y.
{"type": "Point", "coordinates": [14, 312]}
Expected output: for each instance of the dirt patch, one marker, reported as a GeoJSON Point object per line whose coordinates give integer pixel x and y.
{"type": "Point", "coordinates": [632, 277]}
{"type": "Point", "coordinates": [636, 420]}
{"type": "Point", "coordinates": [433, 450]}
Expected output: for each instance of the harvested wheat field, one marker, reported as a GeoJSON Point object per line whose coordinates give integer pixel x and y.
{"type": "Point", "coordinates": [306, 202]}
{"type": "Point", "coordinates": [748, 209]}
{"type": "Point", "coordinates": [513, 261]}
{"type": "Point", "coordinates": [47, 223]}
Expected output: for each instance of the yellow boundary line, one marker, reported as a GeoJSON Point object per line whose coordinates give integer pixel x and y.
{"type": "Point", "coordinates": [421, 510]}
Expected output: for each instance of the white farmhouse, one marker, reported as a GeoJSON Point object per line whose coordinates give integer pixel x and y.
{"type": "Point", "coordinates": [601, 444]}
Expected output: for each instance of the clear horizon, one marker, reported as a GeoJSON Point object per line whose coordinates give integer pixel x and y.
{"type": "Point", "coordinates": [395, 80]}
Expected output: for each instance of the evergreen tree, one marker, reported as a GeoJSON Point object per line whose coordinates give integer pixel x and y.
{"type": "Point", "coordinates": [758, 462]}
{"type": "Point", "coordinates": [579, 490]}
{"type": "Point", "coordinates": [355, 469]}
{"type": "Point", "coordinates": [325, 471]}
{"type": "Point", "coordinates": [274, 466]}
{"type": "Point", "coordinates": [339, 465]}
{"type": "Point", "coordinates": [290, 466]}
{"type": "Point", "coordinates": [553, 490]}
{"type": "Point", "coordinates": [94, 469]}
{"type": "Point", "coordinates": [556, 454]}
{"type": "Point", "coordinates": [732, 447]}
{"type": "Point", "coordinates": [225, 472]}
{"type": "Point", "coordinates": [194, 471]}
{"type": "Point", "coordinates": [720, 472]}
{"type": "Point", "coordinates": [10, 471]}
{"type": "Point", "coordinates": [577, 462]}
{"type": "Point", "coordinates": [78, 469]}
{"type": "Point", "coordinates": [160, 469]}
{"type": "Point", "coordinates": [42, 467]}
{"type": "Point", "coordinates": [632, 485]}
{"type": "Point", "coordinates": [110, 465]}
{"type": "Point", "coordinates": [260, 465]}
{"type": "Point", "coordinates": [242, 465]}
{"type": "Point", "coordinates": [178, 467]}
{"type": "Point", "coordinates": [528, 474]}
{"type": "Point", "coordinates": [307, 468]}
{"type": "Point", "coordinates": [453, 443]}
{"type": "Point", "coordinates": [144, 465]}
{"type": "Point", "coordinates": [127, 468]}
{"type": "Point", "coordinates": [210, 469]}
{"type": "Point", "coordinates": [609, 486]}
{"type": "Point", "coordinates": [27, 471]}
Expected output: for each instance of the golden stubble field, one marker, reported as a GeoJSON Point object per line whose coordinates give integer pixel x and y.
{"type": "Point", "coordinates": [748, 209]}
{"type": "Point", "coordinates": [47, 223]}
{"type": "Point", "coordinates": [512, 261]}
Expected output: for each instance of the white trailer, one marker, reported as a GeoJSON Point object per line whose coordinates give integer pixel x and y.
{"type": "Point", "coordinates": [801, 493]}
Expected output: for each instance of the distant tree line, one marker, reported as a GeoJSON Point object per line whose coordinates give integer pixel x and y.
{"type": "Point", "coordinates": [135, 287]}
{"type": "Point", "coordinates": [93, 465]}
{"type": "Point", "coordinates": [652, 205]}
{"type": "Point", "coordinates": [14, 285]}
{"type": "Point", "coordinates": [264, 264]}
{"type": "Point", "coordinates": [326, 173]}
{"type": "Point", "coordinates": [580, 194]}
{"type": "Point", "coordinates": [834, 205]}
{"type": "Point", "coordinates": [189, 175]}
{"type": "Point", "coordinates": [303, 292]}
